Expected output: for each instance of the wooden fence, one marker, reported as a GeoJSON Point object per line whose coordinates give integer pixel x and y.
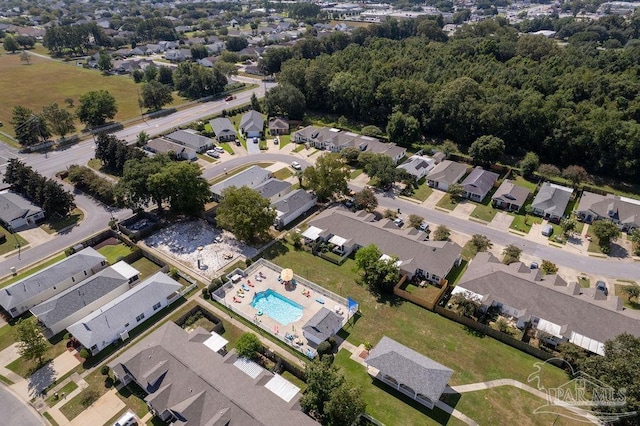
{"type": "Point", "coordinates": [420, 301]}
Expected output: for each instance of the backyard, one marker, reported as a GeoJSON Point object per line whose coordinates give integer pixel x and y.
{"type": "Point", "coordinates": [146, 267]}
{"type": "Point", "coordinates": [113, 252]}
{"type": "Point", "coordinates": [620, 292]}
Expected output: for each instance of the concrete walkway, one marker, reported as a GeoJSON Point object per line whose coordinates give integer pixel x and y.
{"type": "Point", "coordinates": [36, 236]}
{"type": "Point", "coordinates": [100, 411]}
{"type": "Point", "coordinates": [46, 375]}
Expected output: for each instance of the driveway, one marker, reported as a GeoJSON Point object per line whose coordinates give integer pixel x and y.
{"type": "Point", "coordinates": [46, 375]}
{"type": "Point", "coordinates": [501, 221]}
{"type": "Point", "coordinates": [464, 209]}
{"type": "Point", "coordinates": [433, 199]}
{"type": "Point", "coordinates": [252, 148]}
{"type": "Point", "coordinates": [100, 411]}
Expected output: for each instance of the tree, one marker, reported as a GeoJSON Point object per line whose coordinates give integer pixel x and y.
{"type": "Point", "coordinates": [606, 231]}
{"type": "Point", "coordinates": [350, 154]}
{"type": "Point", "coordinates": [548, 171]}
{"type": "Point", "coordinates": [511, 254]}
{"type": "Point", "coordinates": [379, 167]}
{"type": "Point", "coordinates": [415, 221]}
{"type": "Point", "coordinates": [480, 242]}
{"type": "Point", "coordinates": [403, 129]}
{"type": "Point", "coordinates": [286, 100]}
{"type": "Point", "coordinates": [96, 107]}
{"type": "Point", "coordinates": [328, 176]}
{"type": "Point", "coordinates": [366, 199]}
{"type": "Point", "coordinates": [133, 189]}
{"type": "Point", "coordinates": [575, 174]}
{"type": "Point", "coordinates": [487, 149]}
{"type": "Point", "coordinates": [572, 353]}
{"type": "Point", "coordinates": [371, 130]}
{"type": "Point", "coordinates": [618, 369]}
{"type": "Point", "coordinates": [30, 128]}
{"type": "Point", "coordinates": [236, 44]}
{"type": "Point", "coordinates": [255, 104]}
{"type": "Point", "coordinates": [569, 226]}
{"type": "Point", "coordinates": [632, 291]}
{"type": "Point", "coordinates": [114, 152]}
{"type": "Point", "coordinates": [379, 275]}
{"type": "Point", "coordinates": [548, 267]}
{"type": "Point", "coordinates": [441, 233]}
{"type": "Point", "coordinates": [245, 213]}
{"type": "Point", "coordinates": [155, 95]}
{"type": "Point", "coordinates": [465, 304]}
{"type": "Point", "coordinates": [344, 406]}
{"type": "Point", "coordinates": [31, 342]}
{"type": "Point", "coordinates": [165, 76]}
{"type": "Point", "coordinates": [25, 57]}
{"type": "Point", "coordinates": [60, 120]}
{"type": "Point", "coordinates": [10, 44]}
{"type": "Point", "coordinates": [529, 164]}
{"type": "Point", "coordinates": [248, 346]}
{"type": "Point", "coordinates": [634, 237]}
{"type": "Point", "coordinates": [323, 379]}
{"type": "Point", "coordinates": [142, 138]}
{"type": "Point", "coordinates": [104, 63]}
{"type": "Point", "coordinates": [194, 81]}
{"type": "Point", "coordinates": [456, 192]}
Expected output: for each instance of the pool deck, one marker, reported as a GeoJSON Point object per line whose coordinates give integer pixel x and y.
{"type": "Point", "coordinates": [310, 305]}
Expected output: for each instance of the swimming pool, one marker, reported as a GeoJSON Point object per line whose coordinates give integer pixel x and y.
{"type": "Point", "coordinates": [276, 306]}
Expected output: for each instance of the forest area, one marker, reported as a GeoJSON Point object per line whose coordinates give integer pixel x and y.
{"type": "Point", "coordinates": [571, 100]}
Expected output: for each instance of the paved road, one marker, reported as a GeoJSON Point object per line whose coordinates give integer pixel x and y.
{"type": "Point", "coordinates": [17, 412]}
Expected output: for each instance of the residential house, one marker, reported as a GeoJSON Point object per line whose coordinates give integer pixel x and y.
{"type": "Point", "coordinates": [324, 324]}
{"type": "Point", "coordinates": [625, 212]}
{"type": "Point", "coordinates": [23, 295]}
{"type": "Point", "coordinates": [292, 206]}
{"type": "Point", "coordinates": [115, 319]}
{"type": "Point", "coordinates": [188, 383]}
{"type": "Point", "coordinates": [164, 146]}
{"type": "Point", "coordinates": [418, 166]}
{"type": "Point", "coordinates": [551, 201]}
{"type": "Point", "coordinates": [223, 129]}
{"type": "Point", "coordinates": [17, 212]}
{"type": "Point", "coordinates": [209, 61]}
{"type": "Point", "coordinates": [190, 138]}
{"type": "Point", "coordinates": [274, 189]}
{"type": "Point", "coordinates": [510, 197]}
{"type": "Point", "coordinates": [251, 177]}
{"type": "Point", "coordinates": [445, 174]}
{"type": "Point", "coordinates": [478, 184]}
{"type": "Point", "coordinates": [562, 312]}
{"type": "Point", "coordinates": [408, 371]}
{"type": "Point", "coordinates": [346, 232]}
{"type": "Point", "coordinates": [335, 140]}
{"type": "Point", "coordinates": [278, 126]}
{"type": "Point", "coordinates": [73, 304]}
{"type": "Point", "coordinates": [252, 124]}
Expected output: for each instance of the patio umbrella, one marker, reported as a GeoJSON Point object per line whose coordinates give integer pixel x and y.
{"type": "Point", "coordinates": [286, 274]}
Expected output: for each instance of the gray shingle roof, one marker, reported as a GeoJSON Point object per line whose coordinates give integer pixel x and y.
{"type": "Point", "coordinates": [252, 121]}
{"type": "Point", "coordinates": [323, 324]}
{"type": "Point", "coordinates": [552, 199]}
{"type": "Point", "coordinates": [201, 386]}
{"type": "Point", "coordinates": [13, 206]}
{"type": "Point", "coordinates": [480, 181]}
{"type": "Point", "coordinates": [416, 165]}
{"type": "Point", "coordinates": [410, 368]}
{"type": "Point", "coordinates": [191, 139]}
{"type": "Point", "coordinates": [624, 210]}
{"type": "Point", "coordinates": [551, 299]}
{"type": "Point", "coordinates": [448, 172]}
{"type": "Point", "coordinates": [251, 177]}
{"type": "Point", "coordinates": [103, 324]}
{"type": "Point", "coordinates": [78, 297]}
{"type": "Point", "coordinates": [272, 187]}
{"type": "Point", "coordinates": [49, 277]}
{"type": "Point", "coordinates": [222, 127]}
{"type": "Point", "coordinates": [436, 257]}
{"type": "Point", "coordinates": [163, 145]}
{"type": "Point", "coordinates": [278, 123]}
{"type": "Point", "coordinates": [292, 202]}
{"type": "Point", "coordinates": [511, 193]}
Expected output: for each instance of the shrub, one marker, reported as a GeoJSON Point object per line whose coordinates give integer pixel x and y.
{"type": "Point", "coordinates": [248, 262]}
{"type": "Point", "coordinates": [174, 273]}
{"type": "Point", "coordinates": [104, 370]}
{"type": "Point", "coordinates": [3, 238]}
{"type": "Point", "coordinates": [67, 336]}
{"type": "Point", "coordinates": [324, 348]}
{"type": "Point", "coordinates": [333, 343]}
{"type": "Point", "coordinates": [248, 345]}
{"type": "Point", "coordinates": [205, 293]}
{"type": "Point", "coordinates": [84, 353]}
{"type": "Point", "coordinates": [328, 358]}
{"type": "Point", "coordinates": [68, 252]}
{"type": "Point", "coordinates": [212, 287]}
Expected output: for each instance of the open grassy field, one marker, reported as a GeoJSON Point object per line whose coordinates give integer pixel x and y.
{"type": "Point", "coordinates": [473, 358]}
{"type": "Point", "coordinates": [45, 81]}
{"type": "Point", "coordinates": [115, 251]}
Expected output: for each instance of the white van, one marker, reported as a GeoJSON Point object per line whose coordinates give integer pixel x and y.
{"type": "Point", "coordinates": [127, 419]}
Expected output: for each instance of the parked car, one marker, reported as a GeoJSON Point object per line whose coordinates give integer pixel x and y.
{"type": "Point", "coordinates": [276, 140]}
{"type": "Point", "coordinates": [349, 202]}
{"type": "Point", "coordinates": [127, 419]}
{"type": "Point", "coordinates": [229, 98]}
{"type": "Point", "coordinates": [547, 230]}
{"type": "Point", "coordinates": [602, 286]}
{"type": "Point", "coordinates": [213, 153]}
{"type": "Point", "coordinates": [219, 149]}
{"type": "Point", "coordinates": [398, 222]}
{"type": "Point", "coordinates": [424, 226]}
{"type": "Point", "coordinates": [238, 142]}
{"type": "Point", "coordinates": [534, 265]}
{"type": "Point", "coordinates": [296, 165]}
{"type": "Point", "coordinates": [256, 140]}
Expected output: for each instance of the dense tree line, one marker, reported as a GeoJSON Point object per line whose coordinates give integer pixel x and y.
{"type": "Point", "coordinates": [114, 152]}
{"type": "Point", "coordinates": [44, 192]}
{"type": "Point", "coordinates": [194, 81]}
{"type": "Point", "coordinates": [76, 39]}
{"type": "Point", "coordinates": [153, 29]}
{"type": "Point", "coordinates": [90, 182]}
{"type": "Point", "coordinates": [576, 104]}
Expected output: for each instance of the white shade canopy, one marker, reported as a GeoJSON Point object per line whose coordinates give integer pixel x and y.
{"type": "Point", "coordinates": [286, 274]}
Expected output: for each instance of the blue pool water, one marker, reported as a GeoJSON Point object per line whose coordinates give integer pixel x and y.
{"type": "Point", "coordinates": [276, 306]}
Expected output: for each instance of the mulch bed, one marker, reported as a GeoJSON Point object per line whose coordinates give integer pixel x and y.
{"type": "Point", "coordinates": [111, 241]}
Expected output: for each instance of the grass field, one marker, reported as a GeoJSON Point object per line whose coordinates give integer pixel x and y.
{"type": "Point", "coordinates": [45, 81]}
{"type": "Point", "coordinates": [423, 191]}
{"type": "Point", "coordinates": [483, 212]}
{"type": "Point", "coordinates": [473, 358]}
{"type": "Point", "coordinates": [66, 390]}
{"type": "Point", "coordinates": [53, 226]}
{"type": "Point", "coordinates": [114, 252]}
{"type": "Point", "coordinates": [620, 292]}
{"type": "Point", "coordinates": [283, 173]}
{"type": "Point", "coordinates": [523, 222]}
{"type": "Point", "coordinates": [33, 270]}
{"type": "Point", "coordinates": [146, 267]}
{"type": "Point", "coordinates": [11, 241]}
{"type": "Point", "coordinates": [6, 336]}
{"type": "Point", "coordinates": [447, 203]}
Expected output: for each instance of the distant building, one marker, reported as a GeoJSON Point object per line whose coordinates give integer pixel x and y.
{"type": "Point", "coordinates": [161, 145]}
{"type": "Point", "coordinates": [478, 184]}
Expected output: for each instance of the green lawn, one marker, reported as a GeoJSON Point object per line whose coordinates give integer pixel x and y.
{"type": "Point", "coordinates": [227, 147]}
{"type": "Point", "coordinates": [482, 212]}
{"type": "Point", "coordinates": [437, 337]}
{"type": "Point", "coordinates": [33, 270]}
{"type": "Point", "coordinates": [66, 390]}
{"type": "Point", "coordinates": [54, 226]}
{"type": "Point", "coordinates": [468, 251]}
{"type": "Point", "coordinates": [447, 203]}
{"type": "Point", "coordinates": [299, 148]}
{"type": "Point", "coordinates": [594, 246]}
{"type": "Point", "coordinates": [146, 267]}
{"type": "Point", "coordinates": [56, 346]}
{"type": "Point", "coordinates": [355, 173]}
{"type": "Point", "coordinates": [520, 181]}
{"type": "Point", "coordinates": [384, 403]}
{"type": "Point", "coordinates": [97, 387]}
{"type": "Point", "coordinates": [584, 282]}
{"type": "Point", "coordinates": [206, 158]}
{"type": "Point", "coordinates": [456, 273]}
{"type": "Point", "coordinates": [50, 419]}
{"type": "Point", "coordinates": [53, 81]}
{"type": "Point", "coordinates": [6, 336]}
{"type": "Point", "coordinates": [11, 241]}
{"type": "Point", "coordinates": [284, 140]}
{"type": "Point", "coordinates": [283, 173]}
{"type": "Point", "coordinates": [114, 252]}
{"type": "Point", "coordinates": [619, 291]}
{"type": "Point", "coordinates": [523, 222]}
{"type": "Point", "coordinates": [423, 191]}
{"type": "Point", "coordinates": [96, 164]}
{"type": "Point", "coordinates": [133, 396]}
